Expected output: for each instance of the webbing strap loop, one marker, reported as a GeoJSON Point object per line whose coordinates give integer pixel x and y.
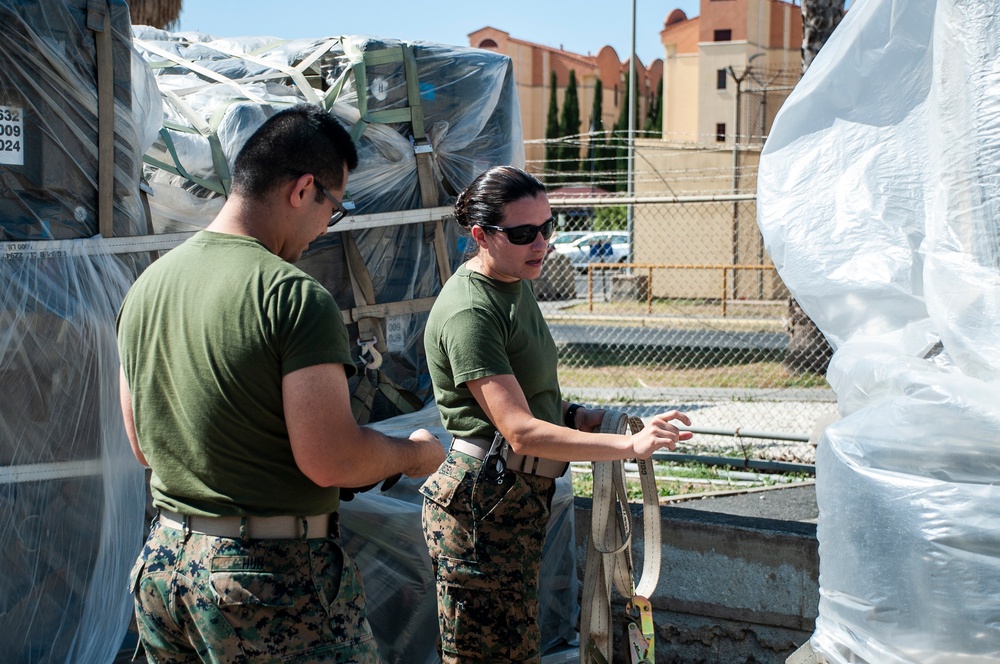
{"type": "Point", "coordinates": [609, 556]}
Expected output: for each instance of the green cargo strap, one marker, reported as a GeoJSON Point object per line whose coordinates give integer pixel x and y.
{"type": "Point", "coordinates": [369, 328]}
{"type": "Point", "coordinates": [99, 21]}
{"type": "Point", "coordinates": [363, 398]}
{"type": "Point", "coordinates": [178, 169]}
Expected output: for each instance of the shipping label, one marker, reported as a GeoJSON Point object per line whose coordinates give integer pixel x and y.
{"type": "Point", "coordinates": [12, 135]}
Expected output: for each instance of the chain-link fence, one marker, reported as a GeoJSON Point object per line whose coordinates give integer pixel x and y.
{"type": "Point", "coordinates": [672, 302]}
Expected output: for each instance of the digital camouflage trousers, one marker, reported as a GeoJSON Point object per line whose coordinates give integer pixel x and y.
{"type": "Point", "coordinates": [486, 539]}
{"type": "Point", "coordinates": [200, 598]}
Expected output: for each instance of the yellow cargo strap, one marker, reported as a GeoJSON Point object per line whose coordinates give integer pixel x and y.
{"type": "Point", "coordinates": [609, 558]}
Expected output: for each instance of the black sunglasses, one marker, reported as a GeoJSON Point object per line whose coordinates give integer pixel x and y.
{"type": "Point", "coordinates": [340, 209]}
{"type": "Point", "coordinates": [526, 233]}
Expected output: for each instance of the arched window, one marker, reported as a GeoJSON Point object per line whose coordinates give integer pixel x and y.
{"type": "Point", "coordinates": [488, 43]}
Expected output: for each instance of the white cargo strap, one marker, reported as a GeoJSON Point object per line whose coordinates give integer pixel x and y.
{"type": "Point", "coordinates": [609, 557]}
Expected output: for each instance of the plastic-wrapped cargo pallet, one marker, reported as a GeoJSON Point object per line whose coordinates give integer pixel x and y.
{"type": "Point", "coordinates": [889, 150]}
{"type": "Point", "coordinates": [427, 118]}
{"type": "Point", "coordinates": [72, 93]}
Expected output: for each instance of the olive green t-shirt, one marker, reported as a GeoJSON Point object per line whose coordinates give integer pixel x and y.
{"type": "Point", "coordinates": [482, 327]}
{"type": "Point", "coordinates": [206, 334]}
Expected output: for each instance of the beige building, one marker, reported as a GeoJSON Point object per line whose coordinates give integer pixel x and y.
{"type": "Point", "coordinates": [725, 75]}
{"type": "Point", "coordinates": [746, 47]}
{"type": "Point", "coordinates": [533, 66]}
{"type": "Point", "coordinates": [736, 50]}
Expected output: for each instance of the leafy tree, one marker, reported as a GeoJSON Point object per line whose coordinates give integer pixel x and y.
{"type": "Point", "coordinates": [654, 121]}
{"type": "Point", "coordinates": [570, 153]}
{"type": "Point", "coordinates": [613, 218]}
{"type": "Point", "coordinates": [596, 144]}
{"type": "Point", "coordinates": [808, 349]}
{"type": "Point", "coordinates": [618, 144]}
{"type": "Point", "coordinates": [162, 14]}
{"type": "Point", "coordinates": [552, 132]}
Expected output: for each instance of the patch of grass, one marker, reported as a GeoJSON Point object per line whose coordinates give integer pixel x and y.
{"type": "Point", "coordinates": [769, 374]}
{"type": "Point", "coordinates": [583, 486]}
{"type": "Point", "coordinates": [583, 483]}
{"type": "Point", "coordinates": [737, 309]}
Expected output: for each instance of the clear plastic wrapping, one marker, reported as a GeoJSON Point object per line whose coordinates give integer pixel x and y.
{"type": "Point", "coordinates": [878, 201]}
{"type": "Point", "coordinates": [71, 493]}
{"type": "Point", "coordinates": [382, 532]}
{"type": "Point", "coordinates": [216, 92]}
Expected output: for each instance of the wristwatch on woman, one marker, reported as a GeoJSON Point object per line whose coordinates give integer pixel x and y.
{"type": "Point", "coordinates": [569, 418]}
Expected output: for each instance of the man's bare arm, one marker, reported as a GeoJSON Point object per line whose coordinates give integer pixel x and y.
{"type": "Point", "coordinates": [329, 446]}
{"type": "Point", "coordinates": [125, 396]}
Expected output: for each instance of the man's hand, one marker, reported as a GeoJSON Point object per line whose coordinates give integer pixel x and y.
{"type": "Point", "coordinates": [432, 453]}
{"type": "Point", "coordinates": [660, 433]}
{"type": "Point", "coordinates": [589, 419]}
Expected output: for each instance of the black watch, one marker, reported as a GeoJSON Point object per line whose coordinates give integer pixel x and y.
{"type": "Point", "coordinates": [569, 419]}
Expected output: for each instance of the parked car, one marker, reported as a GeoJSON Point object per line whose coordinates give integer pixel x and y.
{"type": "Point", "coordinates": [557, 280]}
{"type": "Point", "coordinates": [596, 247]}
{"type": "Point", "coordinates": [562, 238]}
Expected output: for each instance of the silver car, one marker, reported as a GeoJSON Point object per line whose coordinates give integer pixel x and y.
{"type": "Point", "coordinates": [596, 247]}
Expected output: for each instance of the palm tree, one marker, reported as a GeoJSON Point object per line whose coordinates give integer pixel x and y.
{"type": "Point", "coordinates": [162, 14]}
{"type": "Point", "coordinates": [808, 349]}
{"type": "Point", "coordinates": [819, 19]}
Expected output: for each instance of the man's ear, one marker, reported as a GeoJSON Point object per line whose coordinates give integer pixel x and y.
{"type": "Point", "coordinates": [296, 190]}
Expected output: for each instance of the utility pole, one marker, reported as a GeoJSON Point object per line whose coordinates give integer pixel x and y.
{"type": "Point", "coordinates": [631, 141]}
{"type": "Point", "coordinates": [737, 133]}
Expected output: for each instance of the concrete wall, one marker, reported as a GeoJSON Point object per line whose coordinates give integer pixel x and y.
{"type": "Point", "coordinates": [732, 589]}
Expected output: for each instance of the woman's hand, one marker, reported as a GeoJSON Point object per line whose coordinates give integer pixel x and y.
{"type": "Point", "coordinates": [660, 433]}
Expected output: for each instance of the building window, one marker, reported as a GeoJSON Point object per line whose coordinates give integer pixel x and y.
{"type": "Point", "coordinates": [488, 43]}
{"type": "Point", "coordinates": [720, 132]}
{"type": "Point", "coordinates": [720, 79]}
{"type": "Point", "coordinates": [723, 35]}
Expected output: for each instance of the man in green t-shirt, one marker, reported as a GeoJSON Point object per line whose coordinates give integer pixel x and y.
{"type": "Point", "coordinates": [234, 392]}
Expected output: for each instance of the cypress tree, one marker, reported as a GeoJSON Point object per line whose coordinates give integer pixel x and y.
{"type": "Point", "coordinates": [570, 162]}
{"type": "Point", "coordinates": [552, 133]}
{"type": "Point", "coordinates": [595, 139]}
{"type": "Point", "coordinates": [654, 121]}
{"type": "Point", "coordinates": [619, 141]}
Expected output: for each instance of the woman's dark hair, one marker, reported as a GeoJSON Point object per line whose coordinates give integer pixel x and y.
{"type": "Point", "coordinates": [482, 201]}
{"type": "Point", "coordinates": [301, 139]}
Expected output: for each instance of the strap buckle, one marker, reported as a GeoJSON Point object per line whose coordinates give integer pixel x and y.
{"type": "Point", "coordinates": [640, 638]}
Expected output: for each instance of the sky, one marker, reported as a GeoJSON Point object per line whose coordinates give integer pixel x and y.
{"type": "Point", "coordinates": [580, 26]}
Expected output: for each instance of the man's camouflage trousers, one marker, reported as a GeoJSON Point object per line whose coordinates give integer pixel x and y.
{"type": "Point", "coordinates": [200, 598]}
{"type": "Point", "coordinates": [485, 539]}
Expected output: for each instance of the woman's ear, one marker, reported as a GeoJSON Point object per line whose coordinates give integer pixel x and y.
{"type": "Point", "coordinates": [479, 235]}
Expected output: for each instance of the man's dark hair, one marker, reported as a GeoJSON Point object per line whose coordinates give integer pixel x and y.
{"type": "Point", "coordinates": [483, 200]}
{"type": "Point", "coordinates": [298, 140]}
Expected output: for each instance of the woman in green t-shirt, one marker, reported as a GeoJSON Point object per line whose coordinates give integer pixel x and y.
{"type": "Point", "coordinates": [493, 365]}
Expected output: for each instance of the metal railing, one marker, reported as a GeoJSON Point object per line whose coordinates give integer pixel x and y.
{"type": "Point", "coordinates": [649, 267]}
